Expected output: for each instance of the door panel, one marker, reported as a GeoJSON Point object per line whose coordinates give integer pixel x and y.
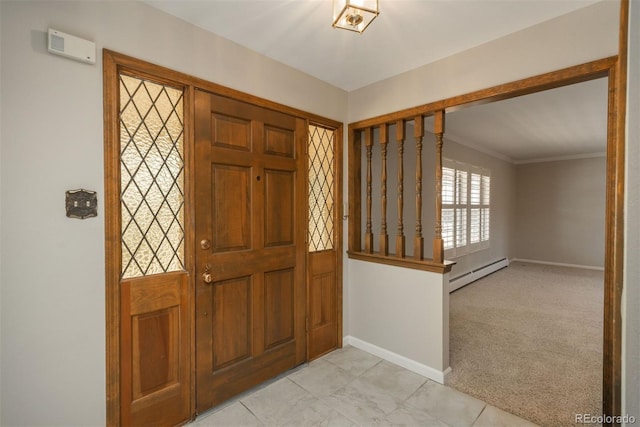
{"type": "Point", "coordinates": [279, 208]}
{"type": "Point", "coordinates": [156, 365]}
{"type": "Point", "coordinates": [323, 322]}
{"type": "Point", "coordinates": [250, 221]}
{"type": "Point", "coordinates": [231, 193]}
{"type": "Point", "coordinates": [231, 132]}
{"type": "Point", "coordinates": [279, 142]}
{"type": "Point", "coordinates": [155, 344]}
{"type": "Point", "coordinates": [278, 307]}
{"type": "Point", "coordinates": [232, 322]}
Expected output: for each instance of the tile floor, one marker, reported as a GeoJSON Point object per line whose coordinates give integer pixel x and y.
{"type": "Point", "coordinates": [350, 387]}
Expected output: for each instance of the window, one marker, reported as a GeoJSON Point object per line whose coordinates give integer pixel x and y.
{"type": "Point", "coordinates": [152, 177]}
{"type": "Point", "coordinates": [321, 188]}
{"type": "Point", "coordinates": [466, 192]}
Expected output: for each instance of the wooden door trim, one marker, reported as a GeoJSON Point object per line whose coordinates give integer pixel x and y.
{"type": "Point", "coordinates": [112, 239]}
{"type": "Point", "coordinates": [339, 155]}
{"type": "Point", "coordinates": [614, 240]}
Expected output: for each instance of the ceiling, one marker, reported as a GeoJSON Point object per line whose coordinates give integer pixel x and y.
{"type": "Point", "coordinates": [563, 122]}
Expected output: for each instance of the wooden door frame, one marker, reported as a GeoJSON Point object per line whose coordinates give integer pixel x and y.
{"type": "Point", "coordinates": [614, 69]}
{"type": "Point", "coordinates": [113, 63]}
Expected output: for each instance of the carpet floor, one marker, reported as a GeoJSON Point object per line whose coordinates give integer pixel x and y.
{"type": "Point", "coordinates": [528, 339]}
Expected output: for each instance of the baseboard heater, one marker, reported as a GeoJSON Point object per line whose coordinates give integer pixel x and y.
{"type": "Point", "coordinates": [473, 275]}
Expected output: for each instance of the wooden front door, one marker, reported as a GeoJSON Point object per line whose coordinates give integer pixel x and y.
{"type": "Point", "coordinates": [250, 236]}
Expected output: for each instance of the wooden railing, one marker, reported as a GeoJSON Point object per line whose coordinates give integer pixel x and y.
{"type": "Point", "coordinates": [364, 135]}
{"type": "Point", "coordinates": [365, 129]}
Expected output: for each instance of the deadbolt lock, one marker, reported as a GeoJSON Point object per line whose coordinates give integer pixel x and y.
{"type": "Point", "coordinates": [207, 277]}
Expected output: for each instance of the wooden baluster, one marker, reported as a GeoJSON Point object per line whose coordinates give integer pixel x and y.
{"type": "Point", "coordinates": [438, 243]}
{"type": "Point", "coordinates": [384, 237]}
{"type": "Point", "coordinates": [368, 236]}
{"type": "Point", "coordinates": [355, 190]}
{"type": "Point", "coordinates": [400, 240]}
{"type": "Point", "coordinates": [418, 243]}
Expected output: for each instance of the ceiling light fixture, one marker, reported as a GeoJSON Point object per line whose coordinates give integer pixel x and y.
{"type": "Point", "coordinates": [354, 15]}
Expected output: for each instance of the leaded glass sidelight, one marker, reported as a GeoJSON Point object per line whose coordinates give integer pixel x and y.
{"type": "Point", "coordinates": [321, 188]}
{"type": "Point", "coordinates": [152, 177]}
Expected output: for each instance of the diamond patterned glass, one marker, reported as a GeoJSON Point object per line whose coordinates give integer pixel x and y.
{"type": "Point", "coordinates": [321, 188]}
{"type": "Point", "coordinates": [152, 177]}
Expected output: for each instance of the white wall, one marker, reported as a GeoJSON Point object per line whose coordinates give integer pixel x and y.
{"type": "Point", "coordinates": [560, 211]}
{"type": "Point", "coordinates": [631, 291]}
{"type": "Point", "coordinates": [52, 280]}
{"type": "Point", "coordinates": [401, 315]}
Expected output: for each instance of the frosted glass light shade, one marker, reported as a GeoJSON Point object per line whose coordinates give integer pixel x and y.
{"type": "Point", "coordinates": [354, 15]}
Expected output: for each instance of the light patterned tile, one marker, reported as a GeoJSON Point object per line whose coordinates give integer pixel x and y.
{"type": "Point", "coordinates": [410, 416]}
{"type": "Point", "coordinates": [321, 378]}
{"type": "Point", "coordinates": [363, 404]}
{"type": "Point", "coordinates": [352, 360]}
{"type": "Point", "coordinates": [448, 405]}
{"type": "Point", "coordinates": [233, 415]}
{"type": "Point", "coordinates": [393, 380]}
{"type": "Point", "coordinates": [494, 417]}
{"type": "Point", "coordinates": [275, 402]}
{"type": "Point", "coordinates": [318, 414]}
{"type": "Point", "coordinates": [350, 388]}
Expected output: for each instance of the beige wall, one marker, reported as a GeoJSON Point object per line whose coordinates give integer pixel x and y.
{"type": "Point", "coordinates": [401, 315]}
{"type": "Point", "coordinates": [52, 280]}
{"type": "Point", "coordinates": [560, 210]}
{"type": "Point", "coordinates": [588, 34]}
{"type": "Point", "coordinates": [631, 290]}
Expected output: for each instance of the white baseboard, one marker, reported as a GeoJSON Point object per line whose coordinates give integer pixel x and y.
{"type": "Point", "coordinates": [389, 356]}
{"type": "Point", "coordinates": [479, 273]}
{"type": "Point", "coordinates": [559, 264]}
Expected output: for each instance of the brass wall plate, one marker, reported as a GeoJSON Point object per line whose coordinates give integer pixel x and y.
{"type": "Point", "coordinates": [81, 204]}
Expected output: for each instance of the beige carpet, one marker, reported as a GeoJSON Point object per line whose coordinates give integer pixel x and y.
{"type": "Point", "coordinates": [528, 339]}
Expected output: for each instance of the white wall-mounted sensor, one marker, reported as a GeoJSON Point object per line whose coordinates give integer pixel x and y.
{"type": "Point", "coordinates": [71, 46]}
